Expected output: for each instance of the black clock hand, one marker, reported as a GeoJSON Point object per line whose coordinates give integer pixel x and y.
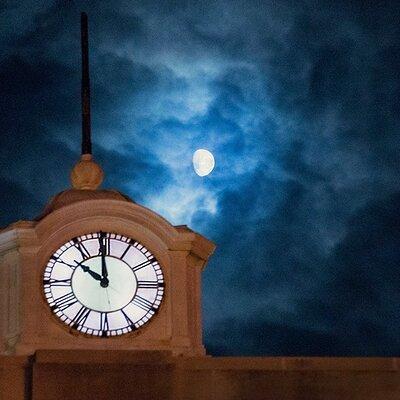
{"type": "Point", "coordinates": [104, 271]}
{"type": "Point", "coordinates": [85, 268]}
{"type": "Point", "coordinates": [104, 279]}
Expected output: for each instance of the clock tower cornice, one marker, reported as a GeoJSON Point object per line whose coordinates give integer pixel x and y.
{"type": "Point", "coordinates": [120, 212]}
{"type": "Point", "coordinates": [19, 235]}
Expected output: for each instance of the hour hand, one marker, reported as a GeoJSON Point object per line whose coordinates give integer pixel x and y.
{"type": "Point", "coordinates": [93, 274]}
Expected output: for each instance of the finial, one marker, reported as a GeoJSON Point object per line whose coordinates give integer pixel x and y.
{"type": "Point", "coordinates": [87, 174]}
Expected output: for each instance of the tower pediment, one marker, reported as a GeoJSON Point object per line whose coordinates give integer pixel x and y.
{"type": "Point", "coordinates": [113, 210]}
{"type": "Point", "coordinates": [71, 196]}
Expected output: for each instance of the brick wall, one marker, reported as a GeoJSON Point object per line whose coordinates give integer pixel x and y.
{"type": "Point", "coordinates": [120, 375]}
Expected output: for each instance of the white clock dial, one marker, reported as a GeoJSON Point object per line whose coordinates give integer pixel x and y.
{"type": "Point", "coordinates": [103, 284]}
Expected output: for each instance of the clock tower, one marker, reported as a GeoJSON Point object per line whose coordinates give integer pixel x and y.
{"type": "Point", "coordinates": [97, 271]}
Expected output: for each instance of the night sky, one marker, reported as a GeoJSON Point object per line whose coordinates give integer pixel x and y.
{"type": "Point", "coordinates": [299, 102]}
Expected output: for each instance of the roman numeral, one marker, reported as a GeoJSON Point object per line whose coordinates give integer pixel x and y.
{"type": "Point", "coordinates": [128, 320]}
{"type": "Point", "coordinates": [81, 317]}
{"type": "Point", "coordinates": [59, 260]}
{"type": "Point", "coordinates": [63, 302]}
{"type": "Point", "coordinates": [142, 303]}
{"type": "Point", "coordinates": [143, 264]}
{"type": "Point", "coordinates": [104, 244]}
{"type": "Point", "coordinates": [104, 325]}
{"type": "Point", "coordinates": [125, 251]}
{"type": "Point", "coordinates": [57, 282]}
{"type": "Point", "coordinates": [82, 249]}
{"type": "Point", "coordinates": [147, 284]}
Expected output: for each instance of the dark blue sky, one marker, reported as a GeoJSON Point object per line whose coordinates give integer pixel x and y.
{"type": "Point", "coordinates": [299, 103]}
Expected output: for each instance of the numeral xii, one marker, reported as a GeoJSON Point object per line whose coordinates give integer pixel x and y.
{"type": "Point", "coordinates": [104, 244]}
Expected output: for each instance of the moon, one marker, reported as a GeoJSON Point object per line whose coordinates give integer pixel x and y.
{"type": "Point", "coordinates": [203, 162]}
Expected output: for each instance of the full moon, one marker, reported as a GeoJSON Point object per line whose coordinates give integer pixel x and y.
{"type": "Point", "coordinates": [203, 162]}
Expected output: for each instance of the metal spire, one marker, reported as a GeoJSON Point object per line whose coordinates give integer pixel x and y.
{"type": "Point", "coordinates": [86, 174]}
{"type": "Point", "coordinates": [85, 91]}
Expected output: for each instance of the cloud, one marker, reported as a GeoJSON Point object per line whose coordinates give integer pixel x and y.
{"type": "Point", "coordinates": [14, 203]}
{"type": "Point", "coordinates": [299, 104]}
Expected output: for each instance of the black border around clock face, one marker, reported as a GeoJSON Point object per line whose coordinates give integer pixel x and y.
{"type": "Point", "coordinates": [83, 261]}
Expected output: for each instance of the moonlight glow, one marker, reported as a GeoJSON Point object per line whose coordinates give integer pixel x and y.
{"type": "Point", "coordinates": [203, 162]}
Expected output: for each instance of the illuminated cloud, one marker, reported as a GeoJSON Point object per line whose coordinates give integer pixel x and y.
{"type": "Point", "coordinates": [298, 104]}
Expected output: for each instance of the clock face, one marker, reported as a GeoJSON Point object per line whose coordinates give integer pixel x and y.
{"type": "Point", "coordinates": [103, 284]}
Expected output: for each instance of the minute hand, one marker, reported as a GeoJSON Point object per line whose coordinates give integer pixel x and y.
{"type": "Point", "coordinates": [104, 271]}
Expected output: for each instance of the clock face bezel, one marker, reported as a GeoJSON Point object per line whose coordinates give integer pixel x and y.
{"type": "Point", "coordinates": [138, 325]}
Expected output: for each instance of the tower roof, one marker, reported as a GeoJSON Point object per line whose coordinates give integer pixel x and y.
{"type": "Point", "coordinates": [71, 196]}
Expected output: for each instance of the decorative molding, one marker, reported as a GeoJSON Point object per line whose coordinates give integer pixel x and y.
{"type": "Point", "coordinates": [10, 301]}
{"type": "Point", "coordinates": [19, 235]}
